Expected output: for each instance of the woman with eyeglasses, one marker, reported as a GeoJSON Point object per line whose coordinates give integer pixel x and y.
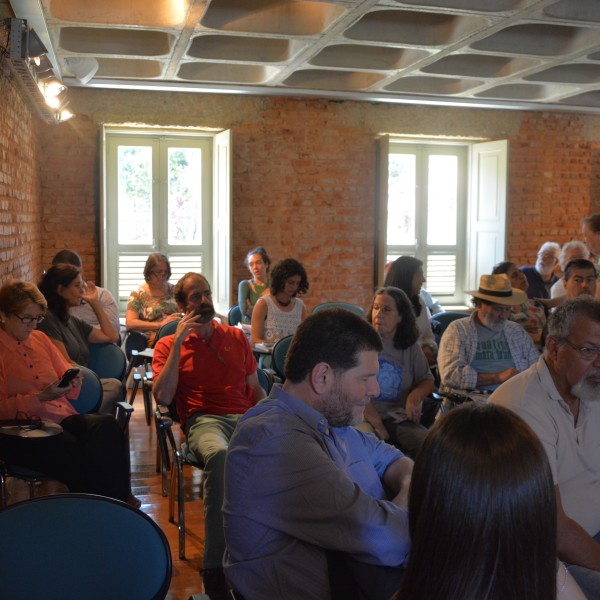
{"type": "Point", "coordinates": [250, 290]}
{"type": "Point", "coordinates": [152, 305]}
{"type": "Point", "coordinates": [404, 377]}
{"type": "Point", "coordinates": [63, 288]}
{"type": "Point", "coordinates": [91, 454]}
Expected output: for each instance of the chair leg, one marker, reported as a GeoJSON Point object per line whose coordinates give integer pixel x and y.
{"type": "Point", "coordinates": [163, 462]}
{"type": "Point", "coordinates": [181, 506]}
{"type": "Point", "coordinates": [147, 395]}
{"type": "Point", "coordinates": [3, 492]}
{"type": "Point", "coordinates": [134, 389]}
{"type": "Point", "coordinates": [177, 487]}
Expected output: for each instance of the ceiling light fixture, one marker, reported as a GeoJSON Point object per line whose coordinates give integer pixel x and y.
{"type": "Point", "coordinates": [29, 65]}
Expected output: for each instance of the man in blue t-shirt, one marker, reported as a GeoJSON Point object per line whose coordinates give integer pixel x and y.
{"type": "Point", "coordinates": [486, 349]}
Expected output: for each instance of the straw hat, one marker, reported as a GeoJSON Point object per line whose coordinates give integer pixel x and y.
{"type": "Point", "coordinates": [497, 289]}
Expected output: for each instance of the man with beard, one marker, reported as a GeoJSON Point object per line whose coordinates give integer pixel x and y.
{"type": "Point", "coordinates": [209, 370]}
{"type": "Point", "coordinates": [484, 350]}
{"type": "Point", "coordinates": [559, 397]}
{"type": "Point", "coordinates": [315, 508]}
{"type": "Point", "coordinates": [541, 276]}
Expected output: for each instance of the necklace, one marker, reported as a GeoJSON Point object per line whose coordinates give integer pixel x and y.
{"type": "Point", "coordinates": [284, 304]}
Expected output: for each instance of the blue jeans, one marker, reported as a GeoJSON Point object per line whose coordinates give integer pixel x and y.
{"type": "Point", "coordinates": [208, 438]}
{"type": "Point", "coordinates": [588, 580]}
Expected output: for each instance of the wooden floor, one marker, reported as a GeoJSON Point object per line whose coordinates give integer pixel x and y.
{"type": "Point", "coordinates": [146, 485]}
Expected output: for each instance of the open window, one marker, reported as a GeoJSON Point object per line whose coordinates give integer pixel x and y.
{"type": "Point", "coordinates": [445, 204]}
{"type": "Point", "coordinates": [163, 192]}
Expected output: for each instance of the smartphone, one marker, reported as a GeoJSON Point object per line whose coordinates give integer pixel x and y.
{"type": "Point", "coordinates": [68, 376]}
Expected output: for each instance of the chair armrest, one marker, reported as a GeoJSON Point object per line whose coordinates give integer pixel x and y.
{"type": "Point", "coordinates": [122, 413]}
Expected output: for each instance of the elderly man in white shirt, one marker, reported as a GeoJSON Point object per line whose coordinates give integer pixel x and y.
{"type": "Point", "coordinates": [559, 397]}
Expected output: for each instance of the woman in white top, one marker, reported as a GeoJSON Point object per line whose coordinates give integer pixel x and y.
{"type": "Point", "coordinates": [406, 273]}
{"type": "Point", "coordinates": [278, 315]}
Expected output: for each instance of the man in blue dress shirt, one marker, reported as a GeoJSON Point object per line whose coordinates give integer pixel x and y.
{"type": "Point", "coordinates": [304, 489]}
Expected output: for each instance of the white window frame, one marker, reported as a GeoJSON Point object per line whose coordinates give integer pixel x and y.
{"type": "Point", "coordinates": [213, 253]}
{"type": "Point", "coordinates": [481, 228]}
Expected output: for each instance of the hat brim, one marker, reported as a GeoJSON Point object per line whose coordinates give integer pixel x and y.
{"type": "Point", "coordinates": [517, 297]}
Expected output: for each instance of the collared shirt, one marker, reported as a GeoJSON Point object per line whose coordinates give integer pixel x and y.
{"type": "Point", "coordinates": [295, 487]}
{"type": "Point", "coordinates": [459, 344]}
{"type": "Point", "coordinates": [212, 373]}
{"type": "Point", "coordinates": [573, 450]}
{"type": "Point", "coordinates": [27, 368]}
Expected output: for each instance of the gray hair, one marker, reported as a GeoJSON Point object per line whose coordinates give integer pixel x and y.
{"type": "Point", "coordinates": [572, 245]}
{"type": "Point", "coordinates": [550, 247]}
{"type": "Point", "coordinates": [560, 322]}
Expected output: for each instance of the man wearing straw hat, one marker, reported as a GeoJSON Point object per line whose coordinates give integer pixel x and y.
{"type": "Point", "coordinates": [486, 349]}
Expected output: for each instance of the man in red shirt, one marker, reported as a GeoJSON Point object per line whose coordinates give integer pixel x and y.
{"type": "Point", "coordinates": [209, 370]}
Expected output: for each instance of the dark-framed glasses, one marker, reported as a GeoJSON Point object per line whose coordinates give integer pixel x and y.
{"type": "Point", "coordinates": [28, 422]}
{"type": "Point", "coordinates": [587, 353]}
{"type": "Point", "coordinates": [27, 320]}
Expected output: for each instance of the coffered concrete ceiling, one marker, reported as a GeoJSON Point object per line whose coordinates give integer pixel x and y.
{"type": "Point", "coordinates": [516, 53]}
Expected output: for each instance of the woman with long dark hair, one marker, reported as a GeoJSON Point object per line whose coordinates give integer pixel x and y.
{"type": "Point", "coordinates": [406, 273]}
{"type": "Point", "coordinates": [404, 377]}
{"type": "Point", "coordinates": [279, 313]}
{"type": "Point", "coordinates": [63, 288]}
{"type": "Point", "coordinates": [482, 513]}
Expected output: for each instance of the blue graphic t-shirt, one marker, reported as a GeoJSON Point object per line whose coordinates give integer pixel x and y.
{"type": "Point", "coordinates": [389, 379]}
{"type": "Point", "coordinates": [492, 354]}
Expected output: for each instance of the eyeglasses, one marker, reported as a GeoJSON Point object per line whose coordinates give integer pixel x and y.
{"type": "Point", "coordinates": [386, 310]}
{"type": "Point", "coordinates": [588, 354]}
{"type": "Point", "coordinates": [29, 320]}
{"type": "Point", "coordinates": [159, 273]}
{"type": "Point", "coordinates": [28, 422]}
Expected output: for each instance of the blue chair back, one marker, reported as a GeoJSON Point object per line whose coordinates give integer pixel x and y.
{"type": "Point", "coordinates": [63, 546]}
{"type": "Point", "coordinates": [346, 305]}
{"type": "Point", "coordinates": [90, 396]}
{"type": "Point", "coordinates": [167, 329]}
{"type": "Point", "coordinates": [234, 316]}
{"type": "Point", "coordinates": [444, 319]}
{"type": "Point", "coordinates": [135, 340]}
{"type": "Point", "coordinates": [265, 380]}
{"type": "Point", "coordinates": [107, 361]}
{"type": "Point", "coordinates": [280, 350]}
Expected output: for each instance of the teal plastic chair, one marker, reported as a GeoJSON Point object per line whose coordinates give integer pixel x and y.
{"type": "Point", "coordinates": [345, 305]}
{"type": "Point", "coordinates": [265, 379]}
{"type": "Point", "coordinates": [234, 316]}
{"type": "Point", "coordinates": [440, 321]}
{"type": "Point", "coordinates": [73, 546]}
{"type": "Point", "coordinates": [107, 361]}
{"type": "Point", "coordinates": [167, 329]}
{"type": "Point", "coordinates": [90, 396]}
{"type": "Point", "coordinates": [280, 350]}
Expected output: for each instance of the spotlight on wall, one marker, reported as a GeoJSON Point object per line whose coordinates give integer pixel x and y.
{"type": "Point", "coordinates": [31, 68]}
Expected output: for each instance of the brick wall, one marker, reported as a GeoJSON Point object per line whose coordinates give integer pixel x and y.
{"type": "Point", "coordinates": [303, 176]}
{"type": "Point", "coordinates": [69, 192]}
{"type": "Point", "coordinates": [552, 172]}
{"type": "Point", "coordinates": [20, 211]}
